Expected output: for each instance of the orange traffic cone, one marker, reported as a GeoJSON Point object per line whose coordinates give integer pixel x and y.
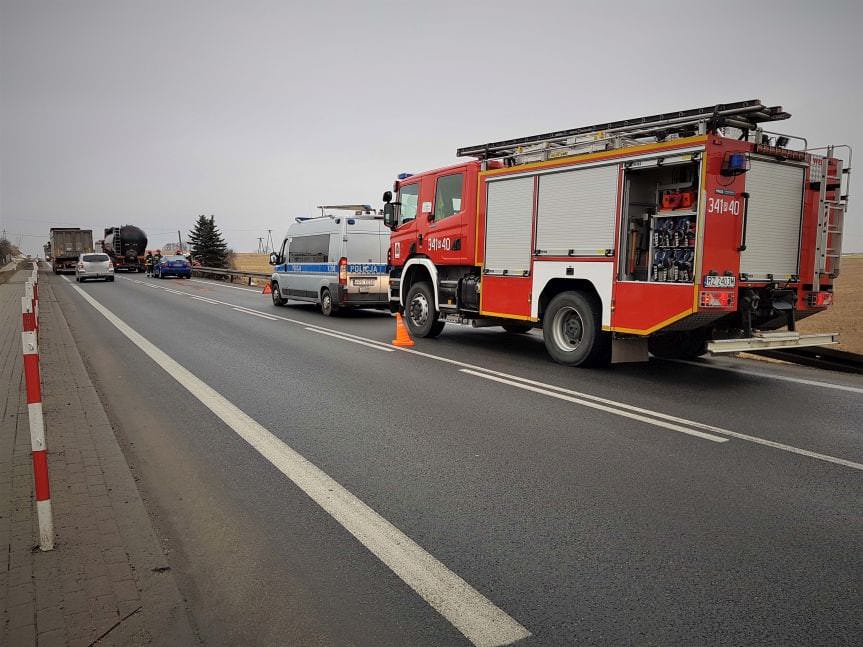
{"type": "Point", "coordinates": [403, 337]}
{"type": "Point", "coordinates": [267, 289]}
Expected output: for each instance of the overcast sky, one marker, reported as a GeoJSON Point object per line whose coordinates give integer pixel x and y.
{"type": "Point", "coordinates": [150, 113]}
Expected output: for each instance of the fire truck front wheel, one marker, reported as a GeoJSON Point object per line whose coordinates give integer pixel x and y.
{"type": "Point", "coordinates": [572, 330]}
{"type": "Point", "coordinates": [420, 316]}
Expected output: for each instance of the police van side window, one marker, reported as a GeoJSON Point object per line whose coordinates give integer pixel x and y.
{"type": "Point", "coordinates": [309, 249]}
{"type": "Point", "coordinates": [447, 195]}
{"type": "Point", "coordinates": [409, 197]}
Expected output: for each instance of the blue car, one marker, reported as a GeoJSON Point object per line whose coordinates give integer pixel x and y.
{"type": "Point", "coordinates": [178, 266]}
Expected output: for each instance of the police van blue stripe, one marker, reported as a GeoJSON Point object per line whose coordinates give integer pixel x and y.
{"type": "Point", "coordinates": [331, 268]}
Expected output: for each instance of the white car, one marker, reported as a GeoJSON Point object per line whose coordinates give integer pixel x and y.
{"type": "Point", "coordinates": [94, 266]}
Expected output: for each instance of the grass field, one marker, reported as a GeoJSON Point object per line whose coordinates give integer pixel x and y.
{"type": "Point", "coordinates": [251, 262]}
{"type": "Point", "coordinates": [846, 315]}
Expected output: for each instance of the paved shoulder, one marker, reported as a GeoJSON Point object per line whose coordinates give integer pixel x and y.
{"type": "Point", "coordinates": [107, 580]}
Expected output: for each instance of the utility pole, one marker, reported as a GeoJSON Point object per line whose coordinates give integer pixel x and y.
{"type": "Point", "coordinates": [260, 245]}
{"type": "Point", "coordinates": [179, 240]}
{"type": "Point", "coordinates": [270, 246]}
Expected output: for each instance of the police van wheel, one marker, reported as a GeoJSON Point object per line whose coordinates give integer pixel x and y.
{"type": "Point", "coordinates": [278, 299]}
{"type": "Point", "coordinates": [420, 316]}
{"type": "Point", "coordinates": [328, 308]}
{"type": "Point", "coordinates": [572, 331]}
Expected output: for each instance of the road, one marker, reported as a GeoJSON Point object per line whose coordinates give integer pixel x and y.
{"type": "Point", "coordinates": [666, 503]}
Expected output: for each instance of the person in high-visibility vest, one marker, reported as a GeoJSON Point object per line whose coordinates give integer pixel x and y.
{"type": "Point", "coordinates": [148, 264]}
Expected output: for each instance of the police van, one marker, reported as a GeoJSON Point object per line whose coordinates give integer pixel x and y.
{"type": "Point", "coordinates": [337, 260]}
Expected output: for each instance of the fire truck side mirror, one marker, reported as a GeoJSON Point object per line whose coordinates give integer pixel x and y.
{"type": "Point", "coordinates": [390, 215]}
{"type": "Point", "coordinates": [388, 196]}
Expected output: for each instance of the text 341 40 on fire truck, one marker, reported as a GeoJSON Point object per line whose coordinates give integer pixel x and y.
{"type": "Point", "coordinates": [679, 234]}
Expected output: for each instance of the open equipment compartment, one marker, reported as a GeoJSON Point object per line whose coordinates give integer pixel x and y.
{"type": "Point", "coordinates": [659, 220]}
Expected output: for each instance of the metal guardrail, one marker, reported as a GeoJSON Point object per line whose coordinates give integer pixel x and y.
{"type": "Point", "coordinates": [819, 357]}
{"type": "Point", "coordinates": [206, 272]}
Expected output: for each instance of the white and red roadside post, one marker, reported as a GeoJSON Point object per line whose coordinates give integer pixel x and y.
{"type": "Point", "coordinates": [30, 345]}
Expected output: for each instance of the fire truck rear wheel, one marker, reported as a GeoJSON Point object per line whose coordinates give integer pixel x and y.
{"type": "Point", "coordinates": [420, 316]}
{"type": "Point", "coordinates": [278, 299]}
{"type": "Point", "coordinates": [572, 330]}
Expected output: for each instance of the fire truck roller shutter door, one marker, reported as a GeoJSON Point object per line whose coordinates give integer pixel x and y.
{"type": "Point", "coordinates": [576, 212]}
{"type": "Point", "coordinates": [773, 219]}
{"type": "Point", "coordinates": [509, 216]}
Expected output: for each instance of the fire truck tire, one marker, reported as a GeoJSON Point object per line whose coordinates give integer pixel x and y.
{"type": "Point", "coordinates": [516, 329]}
{"type": "Point", "coordinates": [572, 330]}
{"type": "Point", "coordinates": [679, 345]}
{"type": "Point", "coordinates": [278, 299]}
{"type": "Point", "coordinates": [420, 317]}
{"type": "Point", "coordinates": [328, 308]}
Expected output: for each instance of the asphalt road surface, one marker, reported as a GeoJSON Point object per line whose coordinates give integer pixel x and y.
{"type": "Point", "coordinates": [478, 493]}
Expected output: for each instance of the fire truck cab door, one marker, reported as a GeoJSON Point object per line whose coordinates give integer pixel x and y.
{"type": "Point", "coordinates": [442, 219]}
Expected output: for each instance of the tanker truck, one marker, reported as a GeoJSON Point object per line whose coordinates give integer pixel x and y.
{"type": "Point", "coordinates": [126, 245]}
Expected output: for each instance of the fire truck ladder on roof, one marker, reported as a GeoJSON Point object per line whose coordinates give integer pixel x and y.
{"type": "Point", "coordinates": [745, 115]}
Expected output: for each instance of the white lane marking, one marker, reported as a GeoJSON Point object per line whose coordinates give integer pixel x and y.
{"type": "Point", "coordinates": [219, 285]}
{"type": "Point", "coordinates": [256, 314]}
{"type": "Point", "coordinates": [784, 378]}
{"type": "Point", "coordinates": [596, 405]}
{"type": "Point", "coordinates": [484, 624]}
{"type": "Point", "coordinates": [753, 439]}
{"type": "Point", "coordinates": [355, 341]}
{"type": "Point", "coordinates": [206, 299]}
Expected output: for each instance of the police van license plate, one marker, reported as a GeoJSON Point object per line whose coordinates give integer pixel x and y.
{"type": "Point", "coordinates": [719, 281]}
{"type": "Point", "coordinates": [363, 283]}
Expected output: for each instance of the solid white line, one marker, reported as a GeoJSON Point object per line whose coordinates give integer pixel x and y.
{"type": "Point", "coordinates": [784, 378]}
{"type": "Point", "coordinates": [206, 299]}
{"type": "Point", "coordinates": [219, 285]}
{"type": "Point", "coordinates": [484, 624]}
{"type": "Point", "coordinates": [595, 405]}
{"type": "Point", "coordinates": [613, 403]}
{"type": "Point", "coordinates": [355, 341]}
{"type": "Point", "coordinates": [256, 314]}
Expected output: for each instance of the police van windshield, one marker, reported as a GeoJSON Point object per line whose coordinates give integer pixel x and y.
{"type": "Point", "coordinates": [408, 196]}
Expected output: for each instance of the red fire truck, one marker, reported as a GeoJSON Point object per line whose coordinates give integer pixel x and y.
{"type": "Point", "coordinates": [679, 234]}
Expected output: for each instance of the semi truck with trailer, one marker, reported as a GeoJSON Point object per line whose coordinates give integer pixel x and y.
{"type": "Point", "coordinates": [675, 234]}
{"type": "Point", "coordinates": [66, 244]}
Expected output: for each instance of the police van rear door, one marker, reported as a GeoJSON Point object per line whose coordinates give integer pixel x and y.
{"type": "Point", "coordinates": [366, 264]}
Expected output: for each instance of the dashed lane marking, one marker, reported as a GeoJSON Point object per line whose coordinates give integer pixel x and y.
{"type": "Point", "coordinates": [255, 314]}
{"type": "Point", "coordinates": [595, 405]}
{"type": "Point", "coordinates": [355, 341]}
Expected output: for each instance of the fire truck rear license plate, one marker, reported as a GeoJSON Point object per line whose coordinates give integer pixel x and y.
{"type": "Point", "coordinates": [719, 281]}
{"type": "Point", "coordinates": [363, 282]}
